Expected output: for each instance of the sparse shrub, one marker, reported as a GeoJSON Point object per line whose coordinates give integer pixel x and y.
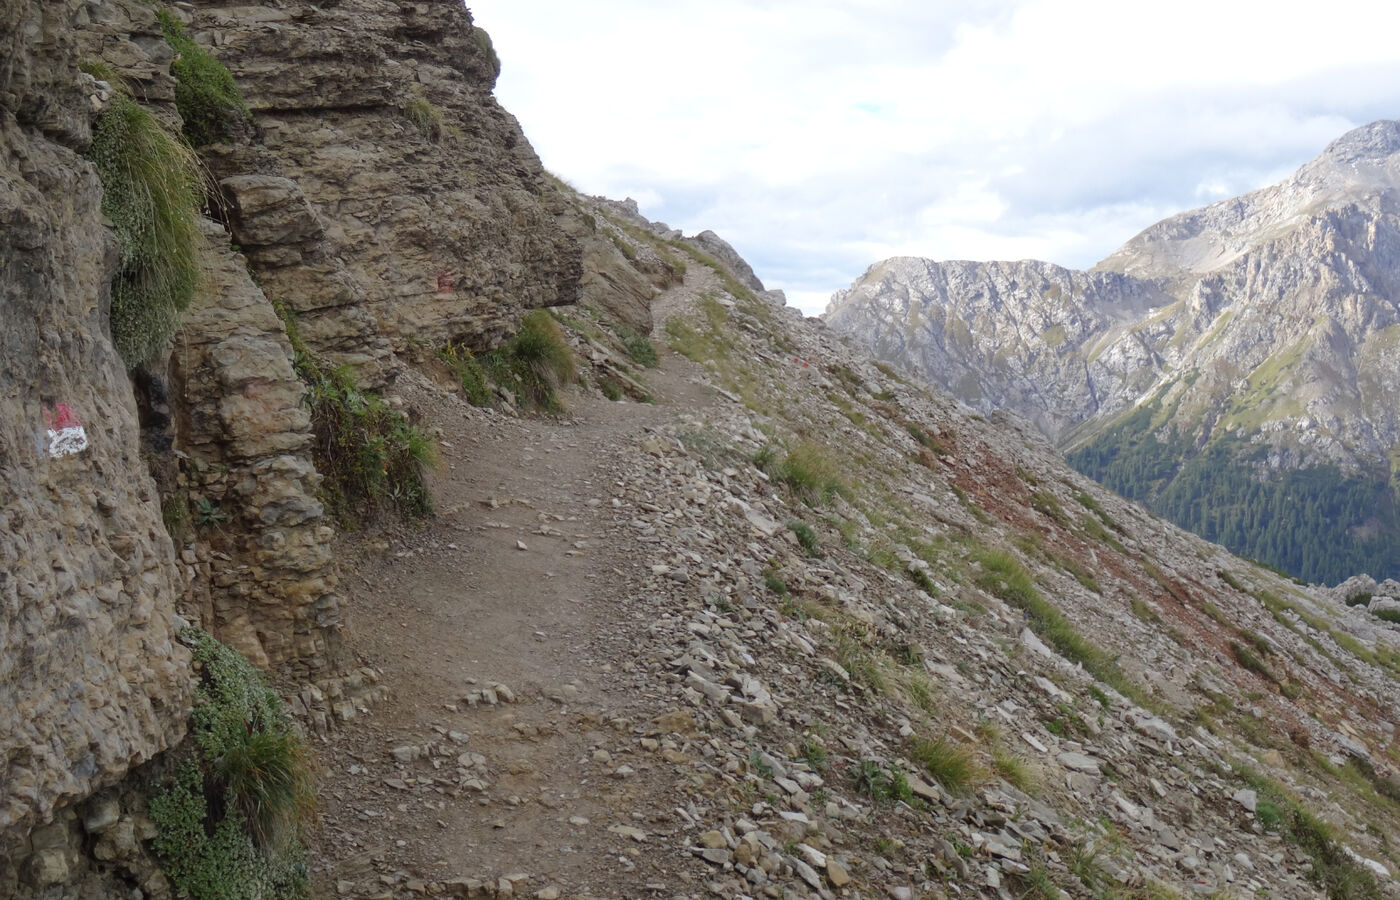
{"type": "Point", "coordinates": [951, 765]}
{"type": "Point", "coordinates": [1269, 815]}
{"type": "Point", "coordinates": [229, 822]}
{"type": "Point", "coordinates": [1003, 575]}
{"type": "Point", "coordinates": [175, 513]}
{"type": "Point", "coordinates": [925, 438]}
{"type": "Point", "coordinates": [1214, 612]}
{"type": "Point", "coordinates": [921, 578]}
{"type": "Point", "coordinates": [863, 667]}
{"type": "Point", "coordinates": [1047, 504]}
{"type": "Point", "coordinates": [206, 96]}
{"type": "Point", "coordinates": [1388, 615]}
{"type": "Point", "coordinates": [610, 388]}
{"type": "Point", "coordinates": [872, 779]}
{"type": "Point", "coordinates": [1359, 599]}
{"type": "Point", "coordinates": [1230, 580]}
{"type": "Point", "coordinates": [425, 117]}
{"type": "Point", "coordinates": [151, 193]}
{"type": "Point", "coordinates": [765, 458]}
{"type": "Point", "coordinates": [1246, 658]}
{"type": "Point", "coordinates": [369, 453]}
{"type": "Point", "coordinates": [810, 472]}
{"type": "Point", "coordinates": [1144, 612]}
{"type": "Point", "coordinates": [806, 537]}
{"type": "Point", "coordinates": [642, 351]}
{"type": "Point", "coordinates": [815, 755]}
{"type": "Point", "coordinates": [920, 692]}
{"type": "Point", "coordinates": [469, 373]}
{"type": "Point", "coordinates": [774, 584]}
{"type": "Point", "coordinates": [534, 364]}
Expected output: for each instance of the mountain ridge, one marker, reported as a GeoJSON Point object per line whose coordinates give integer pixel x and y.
{"type": "Point", "coordinates": [1269, 321]}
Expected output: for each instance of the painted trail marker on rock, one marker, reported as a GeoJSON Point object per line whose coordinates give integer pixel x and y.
{"type": "Point", "coordinates": [65, 432]}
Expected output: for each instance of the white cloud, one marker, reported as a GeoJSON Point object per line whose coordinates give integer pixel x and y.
{"type": "Point", "coordinates": [819, 137]}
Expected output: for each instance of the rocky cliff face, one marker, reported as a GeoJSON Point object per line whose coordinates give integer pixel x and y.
{"type": "Point", "coordinates": [385, 199]}
{"type": "Point", "coordinates": [397, 201]}
{"type": "Point", "coordinates": [1268, 322]}
{"type": "Point", "coordinates": [91, 681]}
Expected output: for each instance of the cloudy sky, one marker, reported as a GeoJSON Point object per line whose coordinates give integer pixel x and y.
{"type": "Point", "coordinates": [818, 136]}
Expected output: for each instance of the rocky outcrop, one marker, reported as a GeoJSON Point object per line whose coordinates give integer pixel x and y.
{"type": "Point", "coordinates": [426, 215]}
{"type": "Point", "coordinates": [91, 680]}
{"type": "Point", "coordinates": [246, 436]}
{"type": "Point", "coordinates": [721, 250]}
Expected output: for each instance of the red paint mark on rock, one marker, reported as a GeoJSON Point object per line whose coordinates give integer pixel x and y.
{"type": "Point", "coordinates": [64, 431]}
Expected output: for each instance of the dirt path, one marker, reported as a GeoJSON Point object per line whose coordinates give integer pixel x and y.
{"type": "Point", "coordinates": [514, 584]}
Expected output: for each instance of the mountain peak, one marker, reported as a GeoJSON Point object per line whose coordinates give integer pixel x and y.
{"type": "Point", "coordinates": [1374, 142]}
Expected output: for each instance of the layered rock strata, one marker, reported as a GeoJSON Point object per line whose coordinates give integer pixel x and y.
{"type": "Point", "coordinates": [430, 218]}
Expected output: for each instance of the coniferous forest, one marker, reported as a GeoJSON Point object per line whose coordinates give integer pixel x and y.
{"type": "Point", "coordinates": [1316, 524]}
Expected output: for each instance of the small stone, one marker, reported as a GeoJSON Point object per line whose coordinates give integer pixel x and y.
{"type": "Point", "coordinates": [836, 874]}
{"type": "Point", "coordinates": [1078, 762]}
{"type": "Point", "coordinates": [1247, 798]}
{"type": "Point", "coordinates": [713, 839]}
{"type": "Point", "coordinates": [550, 893]}
{"type": "Point", "coordinates": [520, 545]}
{"type": "Point", "coordinates": [809, 875]}
{"type": "Point", "coordinates": [635, 834]}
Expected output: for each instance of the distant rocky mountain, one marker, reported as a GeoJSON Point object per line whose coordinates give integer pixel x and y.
{"type": "Point", "coordinates": [1236, 367]}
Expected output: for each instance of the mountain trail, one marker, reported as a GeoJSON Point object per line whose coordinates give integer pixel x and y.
{"type": "Point", "coordinates": [499, 632]}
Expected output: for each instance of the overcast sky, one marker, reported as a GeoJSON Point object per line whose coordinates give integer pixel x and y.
{"type": "Point", "coordinates": [819, 137]}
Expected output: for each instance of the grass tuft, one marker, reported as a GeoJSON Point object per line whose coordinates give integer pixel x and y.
{"type": "Point", "coordinates": [951, 765]}
{"type": "Point", "coordinates": [806, 537]}
{"type": "Point", "coordinates": [469, 372]}
{"type": "Point", "coordinates": [370, 454]}
{"type": "Point", "coordinates": [534, 364]}
{"type": "Point", "coordinates": [229, 822]}
{"type": "Point", "coordinates": [810, 472]}
{"type": "Point", "coordinates": [206, 96]}
{"type": "Point", "coordinates": [1003, 576]}
{"type": "Point", "coordinates": [151, 193]}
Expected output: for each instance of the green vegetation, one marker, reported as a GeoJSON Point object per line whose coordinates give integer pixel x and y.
{"type": "Point", "coordinates": [534, 363]}
{"type": "Point", "coordinates": [951, 765]}
{"type": "Point", "coordinates": [881, 785]}
{"type": "Point", "coordinates": [641, 350]}
{"type": "Point", "coordinates": [1048, 505]}
{"type": "Point", "coordinates": [205, 94]}
{"type": "Point", "coordinates": [1314, 523]}
{"type": "Point", "coordinates": [1332, 869]}
{"type": "Point", "coordinates": [1246, 658]}
{"type": "Point", "coordinates": [425, 117]}
{"type": "Point", "coordinates": [811, 474]}
{"type": "Point", "coordinates": [1003, 576]}
{"type": "Point", "coordinates": [806, 537]}
{"type": "Point", "coordinates": [469, 372]}
{"type": "Point", "coordinates": [151, 193]}
{"type": "Point", "coordinates": [370, 455]}
{"type": "Point", "coordinates": [1014, 769]}
{"type": "Point", "coordinates": [230, 818]}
